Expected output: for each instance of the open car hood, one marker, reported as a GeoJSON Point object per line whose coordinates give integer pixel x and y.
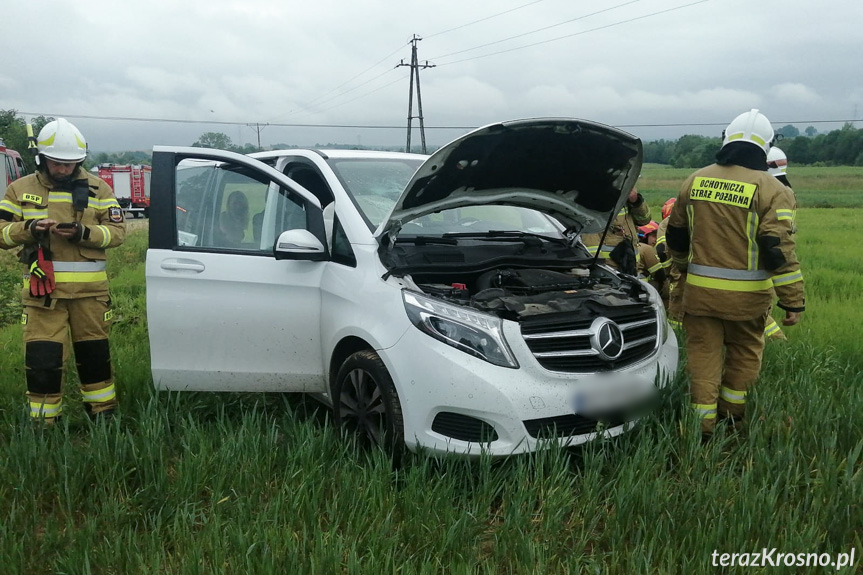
{"type": "Point", "coordinates": [577, 171]}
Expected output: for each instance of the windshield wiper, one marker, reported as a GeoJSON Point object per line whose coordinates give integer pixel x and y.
{"type": "Point", "coordinates": [506, 235]}
{"type": "Point", "coordinates": [422, 240]}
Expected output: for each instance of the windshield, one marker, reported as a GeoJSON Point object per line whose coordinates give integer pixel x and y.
{"type": "Point", "coordinates": [374, 183]}
{"type": "Point", "coordinates": [481, 219]}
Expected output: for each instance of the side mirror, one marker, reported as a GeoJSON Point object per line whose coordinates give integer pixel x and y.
{"type": "Point", "coordinates": [299, 245]}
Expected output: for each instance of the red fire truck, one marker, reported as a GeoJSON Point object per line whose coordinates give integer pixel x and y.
{"type": "Point", "coordinates": [11, 167]}
{"type": "Point", "coordinates": [131, 184]}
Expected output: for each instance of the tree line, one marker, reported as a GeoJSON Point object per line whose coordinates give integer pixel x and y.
{"type": "Point", "coordinates": [13, 132]}
{"type": "Point", "coordinates": [843, 147]}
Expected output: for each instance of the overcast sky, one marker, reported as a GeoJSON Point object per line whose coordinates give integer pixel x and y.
{"type": "Point", "coordinates": [333, 62]}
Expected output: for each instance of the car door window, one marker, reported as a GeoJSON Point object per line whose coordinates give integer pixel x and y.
{"type": "Point", "coordinates": [227, 207]}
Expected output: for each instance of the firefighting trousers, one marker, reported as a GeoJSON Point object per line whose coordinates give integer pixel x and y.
{"type": "Point", "coordinates": [676, 283]}
{"type": "Point", "coordinates": [723, 361]}
{"type": "Point", "coordinates": [47, 331]}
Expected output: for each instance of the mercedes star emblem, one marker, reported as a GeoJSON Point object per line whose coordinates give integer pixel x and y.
{"type": "Point", "coordinates": [607, 339]}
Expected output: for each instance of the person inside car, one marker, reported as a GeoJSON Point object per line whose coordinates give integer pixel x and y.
{"type": "Point", "coordinates": [235, 219]}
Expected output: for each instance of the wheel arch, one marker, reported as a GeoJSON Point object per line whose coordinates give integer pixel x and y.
{"type": "Point", "coordinates": [343, 350]}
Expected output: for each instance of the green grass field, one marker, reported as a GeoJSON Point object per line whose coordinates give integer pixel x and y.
{"type": "Point", "coordinates": [243, 483]}
{"type": "Point", "coordinates": [837, 187]}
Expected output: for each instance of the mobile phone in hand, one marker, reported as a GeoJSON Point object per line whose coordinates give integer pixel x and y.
{"type": "Point", "coordinates": [66, 225]}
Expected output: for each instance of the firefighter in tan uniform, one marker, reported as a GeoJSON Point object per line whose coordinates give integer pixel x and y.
{"type": "Point", "coordinates": [64, 218]}
{"type": "Point", "coordinates": [731, 230]}
{"type": "Point", "coordinates": [777, 166]}
{"type": "Point", "coordinates": [650, 268]}
{"type": "Point", "coordinates": [624, 229]}
{"type": "Point", "coordinates": [672, 294]}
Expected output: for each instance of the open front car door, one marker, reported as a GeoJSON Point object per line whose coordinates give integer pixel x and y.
{"type": "Point", "coordinates": [224, 312]}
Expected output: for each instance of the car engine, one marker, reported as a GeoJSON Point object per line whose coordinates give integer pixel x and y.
{"type": "Point", "coordinates": [517, 293]}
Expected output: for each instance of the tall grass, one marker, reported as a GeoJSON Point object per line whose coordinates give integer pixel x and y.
{"type": "Point", "coordinates": [261, 483]}
{"type": "Point", "coordinates": [831, 255]}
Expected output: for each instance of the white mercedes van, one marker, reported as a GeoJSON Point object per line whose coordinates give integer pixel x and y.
{"type": "Point", "coordinates": [443, 302]}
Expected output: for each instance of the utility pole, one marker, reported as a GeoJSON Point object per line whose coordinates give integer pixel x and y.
{"type": "Point", "coordinates": [415, 71]}
{"type": "Point", "coordinates": [258, 128]}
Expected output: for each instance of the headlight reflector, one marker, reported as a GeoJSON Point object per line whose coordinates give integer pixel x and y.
{"type": "Point", "coordinates": [477, 334]}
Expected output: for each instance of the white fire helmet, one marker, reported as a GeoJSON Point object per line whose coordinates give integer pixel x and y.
{"type": "Point", "coordinates": [777, 162]}
{"type": "Point", "coordinates": [61, 141]}
{"type": "Point", "coordinates": [750, 127]}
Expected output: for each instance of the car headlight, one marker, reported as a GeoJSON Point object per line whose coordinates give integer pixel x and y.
{"type": "Point", "coordinates": [477, 334]}
{"type": "Point", "coordinates": [656, 301]}
{"type": "Point", "coordinates": [663, 322]}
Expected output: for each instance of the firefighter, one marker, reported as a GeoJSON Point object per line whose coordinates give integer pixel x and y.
{"type": "Point", "coordinates": [777, 166]}
{"type": "Point", "coordinates": [620, 247]}
{"type": "Point", "coordinates": [672, 293]}
{"type": "Point", "coordinates": [63, 219]}
{"type": "Point", "coordinates": [647, 233]}
{"type": "Point", "coordinates": [731, 231]}
{"type": "Point", "coordinates": [649, 267]}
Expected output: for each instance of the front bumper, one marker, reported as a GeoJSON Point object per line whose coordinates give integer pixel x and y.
{"type": "Point", "coordinates": [455, 403]}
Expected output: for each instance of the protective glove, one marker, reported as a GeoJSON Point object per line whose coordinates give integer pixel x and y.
{"type": "Point", "coordinates": [82, 232]}
{"type": "Point", "coordinates": [30, 225]}
{"type": "Point", "coordinates": [41, 274]}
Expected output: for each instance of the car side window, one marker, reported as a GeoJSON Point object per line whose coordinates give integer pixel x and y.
{"type": "Point", "coordinates": [310, 178]}
{"type": "Point", "coordinates": [232, 208]}
{"type": "Point", "coordinates": [342, 253]}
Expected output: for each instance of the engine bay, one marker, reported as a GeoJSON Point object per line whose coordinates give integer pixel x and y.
{"type": "Point", "coordinates": [516, 293]}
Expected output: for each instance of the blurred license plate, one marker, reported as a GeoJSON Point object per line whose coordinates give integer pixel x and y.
{"type": "Point", "coordinates": [613, 396]}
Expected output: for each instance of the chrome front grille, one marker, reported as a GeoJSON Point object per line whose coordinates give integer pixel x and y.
{"type": "Point", "coordinates": [568, 343]}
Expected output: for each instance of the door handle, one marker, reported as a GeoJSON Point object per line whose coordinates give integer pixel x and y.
{"type": "Point", "coordinates": [182, 265]}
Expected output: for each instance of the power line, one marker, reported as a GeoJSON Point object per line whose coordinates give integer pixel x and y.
{"type": "Point", "coordinates": [362, 95]}
{"type": "Point", "coordinates": [258, 128]}
{"type": "Point", "coordinates": [484, 19]}
{"type": "Point", "coordinates": [388, 127]}
{"type": "Point", "coordinates": [337, 96]}
{"type": "Point", "coordinates": [349, 80]}
{"type": "Point", "coordinates": [225, 123]}
{"type": "Point", "coordinates": [537, 30]}
{"type": "Point", "coordinates": [352, 78]}
{"type": "Point", "coordinates": [415, 67]}
{"type": "Point", "coordinates": [578, 33]}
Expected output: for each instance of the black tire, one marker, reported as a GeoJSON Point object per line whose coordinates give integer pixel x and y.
{"type": "Point", "coordinates": [365, 401]}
